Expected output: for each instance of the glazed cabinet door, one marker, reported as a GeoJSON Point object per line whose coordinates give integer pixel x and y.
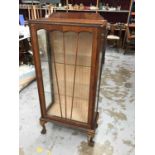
{"type": "Point", "coordinates": [64, 62]}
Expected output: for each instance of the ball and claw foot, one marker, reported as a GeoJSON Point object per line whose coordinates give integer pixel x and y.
{"type": "Point", "coordinates": [90, 141]}
{"type": "Point", "coordinates": [42, 123]}
{"type": "Point", "coordinates": [43, 130]}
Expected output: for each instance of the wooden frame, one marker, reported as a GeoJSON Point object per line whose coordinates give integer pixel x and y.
{"type": "Point", "coordinates": [70, 22]}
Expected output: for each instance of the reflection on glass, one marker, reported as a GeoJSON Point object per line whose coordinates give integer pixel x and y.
{"type": "Point", "coordinates": [44, 58]}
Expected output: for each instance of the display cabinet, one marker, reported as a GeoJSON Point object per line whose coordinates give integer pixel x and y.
{"type": "Point", "coordinates": [68, 71]}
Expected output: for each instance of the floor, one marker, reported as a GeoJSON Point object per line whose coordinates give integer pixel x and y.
{"type": "Point", "coordinates": [115, 133]}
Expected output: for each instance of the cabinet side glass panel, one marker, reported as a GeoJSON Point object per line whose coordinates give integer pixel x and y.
{"type": "Point", "coordinates": [99, 78]}
{"type": "Point", "coordinates": [45, 61]}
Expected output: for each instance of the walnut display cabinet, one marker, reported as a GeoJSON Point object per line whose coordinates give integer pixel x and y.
{"type": "Point", "coordinates": [68, 71]}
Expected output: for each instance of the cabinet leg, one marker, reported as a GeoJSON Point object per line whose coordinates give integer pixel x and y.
{"type": "Point", "coordinates": [97, 117]}
{"type": "Point", "coordinates": [42, 123]}
{"type": "Point", "coordinates": [96, 126]}
{"type": "Point", "coordinates": [90, 140]}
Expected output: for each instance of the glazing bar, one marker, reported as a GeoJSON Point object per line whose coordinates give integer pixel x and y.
{"type": "Point", "coordinates": [64, 51]}
{"type": "Point", "coordinates": [74, 74]}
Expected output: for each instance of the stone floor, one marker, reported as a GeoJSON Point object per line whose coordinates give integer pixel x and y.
{"type": "Point", "coordinates": [115, 133]}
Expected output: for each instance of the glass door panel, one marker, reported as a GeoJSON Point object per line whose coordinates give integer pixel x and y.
{"type": "Point", "coordinates": [69, 69]}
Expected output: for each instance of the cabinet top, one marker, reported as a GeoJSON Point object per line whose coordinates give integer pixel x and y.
{"type": "Point", "coordinates": [72, 18]}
